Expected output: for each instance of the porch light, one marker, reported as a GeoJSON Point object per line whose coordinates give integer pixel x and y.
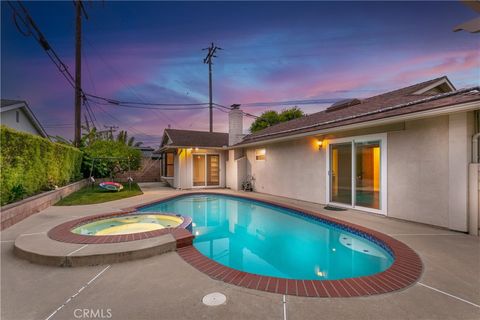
{"type": "Point", "coordinates": [196, 149]}
{"type": "Point", "coordinates": [319, 144]}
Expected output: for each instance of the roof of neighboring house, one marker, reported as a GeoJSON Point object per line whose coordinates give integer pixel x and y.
{"type": "Point", "coordinates": [194, 139]}
{"type": "Point", "coordinates": [7, 105]}
{"type": "Point", "coordinates": [432, 94]}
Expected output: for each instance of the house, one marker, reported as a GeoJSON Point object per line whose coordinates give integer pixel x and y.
{"type": "Point", "coordinates": [404, 154]}
{"type": "Point", "coordinates": [194, 159]}
{"type": "Point", "coordinates": [17, 115]}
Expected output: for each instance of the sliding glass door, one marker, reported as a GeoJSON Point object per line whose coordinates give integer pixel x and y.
{"type": "Point", "coordinates": [367, 181]}
{"type": "Point", "coordinates": [355, 173]}
{"type": "Point", "coordinates": [199, 170]}
{"type": "Point", "coordinates": [341, 173]}
{"type": "Point", "coordinates": [206, 170]}
{"type": "Point", "coordinates": [213, 166]}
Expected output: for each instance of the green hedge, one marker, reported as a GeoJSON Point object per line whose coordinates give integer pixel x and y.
{"type": "Point", "coordinates": [31, 164]}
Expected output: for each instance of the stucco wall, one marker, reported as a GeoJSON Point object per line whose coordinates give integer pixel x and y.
{"type": "Point", "coordinates": [294, 169]}
{"type": "Point", "coordinates": [236, 170]}
{"type": "Point", "coordinates": [9, 118]}
{"type": "Point", "coordinates": [418, 171]}
{"type": "Point", "coordinates": [427, 177]}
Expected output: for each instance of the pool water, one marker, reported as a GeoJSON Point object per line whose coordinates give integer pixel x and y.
{"type": "Point", "coordinates": [127, 224]}
{"type": "Point", "coordinates": [263, 239]}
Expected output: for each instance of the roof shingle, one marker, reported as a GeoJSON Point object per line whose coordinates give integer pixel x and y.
{"type": "Point", "coordinates": [393, 103]}
{"type": "Point", "coordinates": [200, 139]}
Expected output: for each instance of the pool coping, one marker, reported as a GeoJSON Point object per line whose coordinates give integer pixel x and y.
{"type": "Point", "coordinates": [63, 232]}
{"type": "Point", "coordinates": [405, 270]}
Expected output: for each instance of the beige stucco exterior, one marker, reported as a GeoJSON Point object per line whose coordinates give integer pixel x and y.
{"type": "Point", "coordinates": [427, 169]}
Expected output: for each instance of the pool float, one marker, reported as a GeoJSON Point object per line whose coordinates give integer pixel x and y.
{"type": "Point", "coordinates": [111, 186]}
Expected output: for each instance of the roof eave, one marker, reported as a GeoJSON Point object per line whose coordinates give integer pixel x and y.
{"type": "Point", "coordinates": [467, 106]}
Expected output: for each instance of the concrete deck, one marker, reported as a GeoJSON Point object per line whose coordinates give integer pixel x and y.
{"type": "Point", "coordinates": [166, 287]}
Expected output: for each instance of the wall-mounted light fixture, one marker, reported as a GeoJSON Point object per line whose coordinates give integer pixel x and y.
{"type": "Point", "coordinates": [319, 144]}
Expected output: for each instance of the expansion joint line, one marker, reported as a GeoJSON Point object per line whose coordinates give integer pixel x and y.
{"type": "Point", "coordinates": [77, 293]}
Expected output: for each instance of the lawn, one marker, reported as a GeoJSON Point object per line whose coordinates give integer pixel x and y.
{"type": "Point", "coordinates": [89, 195]}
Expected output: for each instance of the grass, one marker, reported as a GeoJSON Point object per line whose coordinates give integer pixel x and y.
{"type": "Point", "coordinates": [89, 195]}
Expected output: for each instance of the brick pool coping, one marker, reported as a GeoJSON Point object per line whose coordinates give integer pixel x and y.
{"type": "Point", "coordinates": [404, 271]}
{"type": "Point", "coordinates": [63, 232]}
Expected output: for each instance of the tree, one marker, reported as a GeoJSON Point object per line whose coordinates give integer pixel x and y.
{"type": "Point", "coordinates": [123, 138]}
{"type": "Point", "coordinates": [109, 158]}
{"type": "Point", "coordinates": [271, 117]}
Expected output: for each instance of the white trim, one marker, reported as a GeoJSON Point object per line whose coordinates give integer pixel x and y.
{"type": "Point", "coordinates": [468, 106]}
{"type": "Point", "coordinates": [206, 170]}
{"type": "Point", "coordinates": [382, 137]}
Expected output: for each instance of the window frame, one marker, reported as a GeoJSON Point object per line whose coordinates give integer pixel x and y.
{"type": "Point", "coordinates": [167, 165]}
{"type": "Point", "coordinates": [260, 154]}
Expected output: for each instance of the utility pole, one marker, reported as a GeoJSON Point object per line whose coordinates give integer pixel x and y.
{"type": "Point", "coordinates": [111, 130]}
{"type": "Point", "coordinates": [78, 70]}
{"type": "Point", "coordinates": [208, 60]}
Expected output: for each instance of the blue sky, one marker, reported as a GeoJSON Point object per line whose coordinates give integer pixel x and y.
{"type": "Point", "coordinates": [273, 51]}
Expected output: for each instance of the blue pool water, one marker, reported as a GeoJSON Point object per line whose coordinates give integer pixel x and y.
{"type": "Point", "coordinates": [263, 239]}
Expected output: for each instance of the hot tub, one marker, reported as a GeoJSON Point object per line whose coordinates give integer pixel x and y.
{"type": "Point", "coordinates": [128, 224]}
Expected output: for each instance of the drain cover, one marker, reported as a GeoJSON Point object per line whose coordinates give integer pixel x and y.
{"type": "Point", "coordinates": [214, 299]}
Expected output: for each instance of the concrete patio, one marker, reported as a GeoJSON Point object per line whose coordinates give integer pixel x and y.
{"type": "Point", "coordinates": [166, 287]}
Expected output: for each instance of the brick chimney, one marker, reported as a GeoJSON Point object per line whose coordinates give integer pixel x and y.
{"type": "Point", "coordinates": [235, 125]}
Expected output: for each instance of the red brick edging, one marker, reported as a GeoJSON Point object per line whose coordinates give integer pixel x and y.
{"type": "Point", "coordinates": [404, 271]}
{"type": "Point", "coordinates": [63, 232]}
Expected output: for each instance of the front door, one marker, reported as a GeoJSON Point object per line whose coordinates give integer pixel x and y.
{"type": "Point", "coordinates": [206, 170]}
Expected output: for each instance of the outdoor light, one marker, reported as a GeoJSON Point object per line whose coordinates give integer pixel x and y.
{"type": "Point", "coordinates": [196, 149]}
{"type": "Point", "coordinates": [319, 144]}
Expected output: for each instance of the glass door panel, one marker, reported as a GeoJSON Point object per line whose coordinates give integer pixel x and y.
{"type": "Point", "coordinates": [341, 173]}
{"type": "Point", "coordinates": [213, 176]}
{"type": "Point", "coordinates": [199, 173]}
{"type": "Point", "coordinates": [367, 174]}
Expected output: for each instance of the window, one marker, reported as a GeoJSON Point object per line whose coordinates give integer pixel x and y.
{"type": "Point", "coordinates": [169, 164]}
{"type": "Point", "coordinates": [17, 116]}
{"type": "Point", "coordinates": [260, 154]}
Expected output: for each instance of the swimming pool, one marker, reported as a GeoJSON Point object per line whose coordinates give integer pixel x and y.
{"type": "Point", "coordinates": [268, 240]}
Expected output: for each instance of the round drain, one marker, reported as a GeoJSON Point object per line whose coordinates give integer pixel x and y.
{"type": "Point", "coordinates": [214, 299]}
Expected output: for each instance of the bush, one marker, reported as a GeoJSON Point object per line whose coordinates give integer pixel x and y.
{"type": "Point", "coordinates": [109, 157]}
{"type": "Point", "coordinates": [30, 164]}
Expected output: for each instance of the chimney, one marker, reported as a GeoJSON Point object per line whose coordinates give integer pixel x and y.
{"type": "Point", "coordinates": [235, 125]}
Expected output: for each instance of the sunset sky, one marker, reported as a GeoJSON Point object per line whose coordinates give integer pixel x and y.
{"type": "Point", "coordinates": [273, 52]}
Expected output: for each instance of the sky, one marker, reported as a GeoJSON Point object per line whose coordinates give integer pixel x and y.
{"type": "Point", "coordinates": [272, 52]}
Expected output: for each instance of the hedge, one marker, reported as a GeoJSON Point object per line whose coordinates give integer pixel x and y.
{"type": "Point", "coordinates": [31, 164]}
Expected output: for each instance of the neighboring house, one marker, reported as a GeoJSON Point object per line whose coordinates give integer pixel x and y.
{"type": "Point", "coordinates": [193, 159]}
{"type": "Point", "coordinates": [147, 152]}
{"type": "Point", "coordinates": [404, 154]}
{"type": "Point", "coordinates": [17, 115]}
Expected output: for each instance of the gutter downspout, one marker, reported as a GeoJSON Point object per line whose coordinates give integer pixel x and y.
{"type": "Point", "coordinates": [474, 185]}
{"type": "Point", "coordinates": [475, 147]}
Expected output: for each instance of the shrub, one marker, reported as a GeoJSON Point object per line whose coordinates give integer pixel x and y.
{"type": "Point", "coordinates": [109, 157]}
{"type": "Point", "coordinates": [30, 164]}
